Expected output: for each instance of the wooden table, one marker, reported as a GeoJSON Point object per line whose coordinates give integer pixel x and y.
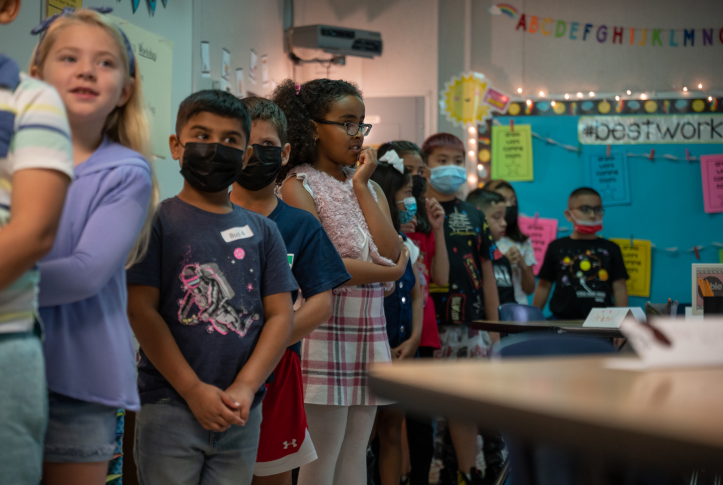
{"type": "Point", "coordinates": [668, 418]}
{"type": "Point", "coordinates": [559, 326]}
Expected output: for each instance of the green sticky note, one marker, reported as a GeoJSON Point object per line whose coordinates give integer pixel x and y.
{"type": "Point", "coordinates": [512, 153]}
{"type": "Point", "coordinates": [720, 255]}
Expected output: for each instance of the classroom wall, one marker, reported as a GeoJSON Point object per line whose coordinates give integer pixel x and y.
{"type": "Point", "coordinates": [172, 22]}
{"type": "Point", "coordinates": [666, 208]}
{"type": "Point", "coordinates": [513, 59]}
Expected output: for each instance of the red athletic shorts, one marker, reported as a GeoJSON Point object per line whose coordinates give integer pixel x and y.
{"type": "Point", "coordinates": [284, 443]}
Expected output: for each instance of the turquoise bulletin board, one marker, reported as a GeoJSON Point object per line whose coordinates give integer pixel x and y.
{"type": "Point", "coordinates": [666, 200]}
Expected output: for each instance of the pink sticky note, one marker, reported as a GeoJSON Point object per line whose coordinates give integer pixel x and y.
{"type": "Point", "coordinates": [497, 100]}
{"type": "Point", "coordinates": [541, 232]}
{"type": "Point", "coordinates": [711, 171]}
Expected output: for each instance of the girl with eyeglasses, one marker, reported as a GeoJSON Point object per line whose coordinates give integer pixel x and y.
{"type": "Point", "coordinates": [328, 174]}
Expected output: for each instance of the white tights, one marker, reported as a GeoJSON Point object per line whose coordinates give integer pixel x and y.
{"type": "Point", "coordinates": [340, 435]}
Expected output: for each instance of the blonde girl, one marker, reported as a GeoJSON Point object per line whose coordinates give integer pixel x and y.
{"type": "Point", "coordinates": [105, 225]}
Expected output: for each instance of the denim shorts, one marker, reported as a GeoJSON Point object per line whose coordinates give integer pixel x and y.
{"type": "Point", "coordinates": [79, 431]}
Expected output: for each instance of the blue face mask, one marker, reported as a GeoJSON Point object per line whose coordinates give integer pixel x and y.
{"type": "Point", "coordinates": [405, 216]}
{"type": "Point", "coordinates": [447, 178]}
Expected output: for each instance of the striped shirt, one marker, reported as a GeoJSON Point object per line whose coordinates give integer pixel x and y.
{"type": "Point", "coordinates": [34, 134]}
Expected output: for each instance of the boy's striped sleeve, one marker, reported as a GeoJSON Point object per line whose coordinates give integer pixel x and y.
{"type": "Point", "coordinates": [42, 134]}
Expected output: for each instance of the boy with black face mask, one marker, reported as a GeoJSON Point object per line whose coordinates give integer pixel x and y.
{"type": "Point", "coordinates": [285, 443]}
{"type": "Point", "coordinates": [211, 305]}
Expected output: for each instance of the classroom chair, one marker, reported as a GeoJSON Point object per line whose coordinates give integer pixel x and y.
{"type": "Point", "coordinates": [542, 465]}
{"type": "Point", "coordinates": [514, 312]}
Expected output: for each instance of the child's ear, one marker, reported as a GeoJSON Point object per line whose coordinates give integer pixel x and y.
{"type": "Point", "coordinates": [9, 10]}
{"type": "Point", "coordinates": [568, 216]}
{"type": "Point", "coordinates": [126, 93]}
{"type": "Point", "coordinates": [285, 154]}
{"type": "Point", "coordinates": [176, 149]}
{"type": "Point", "coordinates": [35, 72]}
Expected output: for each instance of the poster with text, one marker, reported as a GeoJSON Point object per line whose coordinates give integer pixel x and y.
{"type": "Point", "coordinates": [225, 64]}
{"type": "Point", "coordinates": [512, 153]}
{"type": "Point", "coordinates": [240, 90]}
{"type": "Point", "coordinates": [253, 66]}
{"type": "Point", "coordinates": [205, 60]}
{"type": "Point", "coordinates": [154, 55]}
{"type": "Point", "coordinates": [264, 70]}
{"type": "Point", "coordinates": [711, 172]}
{"type": "Point", "coordinates": [609, 176]}
{"type": "Point", "coordinates": [541, 232]}
{"type": "Point", "coordinates": [637, 263]}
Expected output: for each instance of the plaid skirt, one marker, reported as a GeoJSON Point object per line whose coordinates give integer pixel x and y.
{"type": "Point", "coordinates": [336, 356]}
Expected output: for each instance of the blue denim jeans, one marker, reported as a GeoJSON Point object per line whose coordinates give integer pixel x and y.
{"type": "Point", "coordinates": [172, 448]}
{"type": "Point", "coordinates": [23, 408]}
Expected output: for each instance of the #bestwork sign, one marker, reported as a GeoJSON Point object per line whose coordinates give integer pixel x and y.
{"type": "Point", "coordinates": [650, 130]}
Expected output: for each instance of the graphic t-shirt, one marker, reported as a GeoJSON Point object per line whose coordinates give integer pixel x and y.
{"type": "Point", "coordinates": [583, 272]}
{"type": "Point", "coordinates": [312, 257]}
{"type": "Point", "coordinates": [427, 250]}
{"type": "Point", "coordinates": [469, 243]}
{"type": "Point", "coordinates": [212, 271]}
{"type": "Point", "coordinates": [503, 277]}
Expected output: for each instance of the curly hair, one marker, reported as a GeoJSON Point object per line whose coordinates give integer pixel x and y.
{"type": "Point", "coordinates": [311, 100]}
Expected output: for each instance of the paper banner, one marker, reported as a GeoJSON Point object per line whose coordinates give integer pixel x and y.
{"type": "Point", "coordinates": [154, 55]}
{"type": "Point", "coordinates": [541, 232]}
{"type": "Point", "coordinates": [512, 153]}
{"type": "Point", "coordinates": [152, 5]}
{"type": "Point", "coordinates": [609, 176]}
{"type": "Point", "coordinates": [711, 172]}
{"type": "Point", "coordinates": [253, 65]}
{"type": "Point", "coordinates": [240, 86]}
{"type": "Point", "coordinates": [650, 130]}
{"type": "Point", "coordinates": [264, 70]}
{"type": "Point", "coordinates": [225, 64]}
{"type": "Point", "coordinates": [637, 262]}
{"type": "Point", "coordinates": [559, 106]}
{"type": "Point", "coordinates": [205, 59]}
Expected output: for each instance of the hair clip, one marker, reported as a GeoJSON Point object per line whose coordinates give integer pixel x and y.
{"type": "Point", "coordinates": [44, 25]}
{"type": "Point", "coordinates": [297, 87]}
{"type": "Point", "coordinates": [392, 158]}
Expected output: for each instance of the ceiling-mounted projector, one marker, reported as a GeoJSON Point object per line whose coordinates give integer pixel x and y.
{"type": "Point", "coordinates": [339, 41]}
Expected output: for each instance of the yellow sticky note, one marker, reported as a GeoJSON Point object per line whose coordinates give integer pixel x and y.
{"type": "Point", "coordinates": [56, 6]}
{"type": "Point", "coordinates": [512, 153]}
{"type": "Point", "coordinates": [637, 262]}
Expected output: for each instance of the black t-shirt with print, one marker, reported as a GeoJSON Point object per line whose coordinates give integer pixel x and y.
{"type": "Point", "coordinates": [503, 277]}
{"type": "Point", "coordinates": [469, 243]}
{"type": "Point", "coordinates": [583, 271]}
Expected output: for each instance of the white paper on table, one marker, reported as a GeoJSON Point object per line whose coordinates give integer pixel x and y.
{"type": "Point", "coordinates": [612, 317]}
{"type": "Point", "coordinates": [697, 343]}
{"type": "Point", "coordinates": [689, 314]}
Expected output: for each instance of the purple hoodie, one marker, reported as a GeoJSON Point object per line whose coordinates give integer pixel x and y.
{"type": "Point", "coordinates": [88, 346]}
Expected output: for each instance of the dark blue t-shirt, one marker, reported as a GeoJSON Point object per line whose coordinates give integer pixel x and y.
{"type": "Point", "coordinates": [212, 271]}
{"type": "Point", "coordinates": [312, 257]}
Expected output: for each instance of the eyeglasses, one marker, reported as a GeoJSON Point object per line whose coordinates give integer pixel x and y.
{"type": "Point", "coordinates": [587, 210]}
{"type": "Point", "coordinates": [351, 128]}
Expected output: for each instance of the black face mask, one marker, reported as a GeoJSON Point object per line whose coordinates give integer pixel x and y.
{"type": "Point", "coordinates": [262, 168]}
{"type": "Point", "coordinates": [511, 215]}
{"type": "Point", "coordinates": [211, 167]}
{"type": "Point", "coordinates": [419, 186]}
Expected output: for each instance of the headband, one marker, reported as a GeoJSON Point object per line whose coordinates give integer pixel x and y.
{"type": "Point", "coordinates": [392, 158]}
{"type": "Point", "coordinates": [43, 26]}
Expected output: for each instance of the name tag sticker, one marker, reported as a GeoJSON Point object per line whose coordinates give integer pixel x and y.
{"type": "Point", "coordinates": [236, 233]}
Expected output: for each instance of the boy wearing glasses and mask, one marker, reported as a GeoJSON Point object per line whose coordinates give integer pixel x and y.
{"type": "Point", "coordinates": [211, 305]}
{"type": "Point", "coordinates": [285, 443]}
{"type": "Point", "coordinates": [589, 271]}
